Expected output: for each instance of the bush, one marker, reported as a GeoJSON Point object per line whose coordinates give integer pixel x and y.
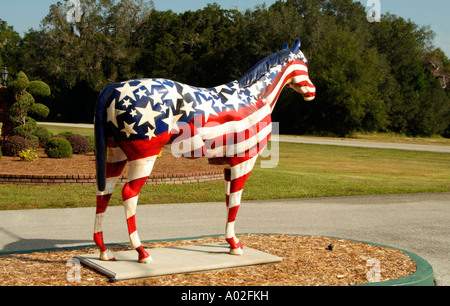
{"type": "Point", "coordinates": [18, 111]}
{"type": "Point", "coordinates": [38, 88]}
{"type": "Point", "coordinates": [24, 130]}
{"type": "Point", "coordinates": [38, 110]}
{"type": "Point", "coordinates": [14, 144]}
{"type": "Point", "coordinates": [66, 134]}
{"type": "Point", "coordinates": [28, 155]}
{"type": "Point", "coordinates": [58, 148]}
{"type": "Point", "coordinates": [20, 84]}
{"type": "Point", "coordinates": [80, 144]}
{"type": "Point", "coordinates": [33, 140]}
{"type": "Point", "coordinates": [91, 139]}
{"type": "Point", "coordinates": [43, 134]}
{"type": "Point", "coordinates": [58, 136]}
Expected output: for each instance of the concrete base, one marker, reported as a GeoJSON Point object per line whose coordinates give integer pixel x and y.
{"type": "Point", "coordinates": [175, 260]}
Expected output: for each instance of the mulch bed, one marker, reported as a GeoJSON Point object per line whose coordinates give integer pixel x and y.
{"type": "Point", "coordinates": [306, 262]}
{"type": "Point", "coordinates": [85, 164]}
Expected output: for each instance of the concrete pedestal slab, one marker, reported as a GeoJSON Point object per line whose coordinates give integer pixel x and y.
{"type": "Point", "coordinates": [175, 260]}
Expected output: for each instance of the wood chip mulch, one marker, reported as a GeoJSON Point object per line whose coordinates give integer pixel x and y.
{"type": "Point", "coordinates": [306, 262]}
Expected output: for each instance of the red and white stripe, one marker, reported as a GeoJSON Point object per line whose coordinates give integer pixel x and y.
{"type": "Point", "coordinates": [295, 72]}
{"type": "Point", "coordinates": [116, 161]}
{"type": "Point", "coordinates": [239, 136]}
{"type": "Point", "coordinates": [141, 163]}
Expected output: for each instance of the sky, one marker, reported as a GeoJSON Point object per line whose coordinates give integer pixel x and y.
{"type": "Point", "coordinates": [26, 14]}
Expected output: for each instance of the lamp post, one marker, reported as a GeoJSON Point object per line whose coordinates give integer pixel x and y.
{"type": "Point", "coordinates": [4, 76]}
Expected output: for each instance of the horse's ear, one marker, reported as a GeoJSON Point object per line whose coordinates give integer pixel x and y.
{"type": "Point", "coordinates": [297, 46]}
{"type": "Point", "coordinates": [285, 47]}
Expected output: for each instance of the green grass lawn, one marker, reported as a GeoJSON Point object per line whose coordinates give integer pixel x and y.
{"type": "Point", "coordinates": [372, 137]}
{"type": "Point", "coordinates": [76, 130]}
{"type": "Point", "coordinates": [303, 171]}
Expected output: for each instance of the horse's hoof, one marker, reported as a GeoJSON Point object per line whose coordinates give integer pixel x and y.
{"type": "Point", "coordinates": [107, 256]}
{"type": "Point", "coordinates": [237, 252]}
{"type": "Point", "coordinates": [144, 256]}
{"type": "Point", "coordinates": [145, 261]}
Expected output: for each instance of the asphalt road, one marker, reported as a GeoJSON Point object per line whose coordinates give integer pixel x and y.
{"type": "Point", "coordinates": [365, 144]}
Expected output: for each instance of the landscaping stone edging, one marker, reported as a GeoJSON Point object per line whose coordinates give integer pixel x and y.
{"type": "Point", "coordinates": [90, 179]}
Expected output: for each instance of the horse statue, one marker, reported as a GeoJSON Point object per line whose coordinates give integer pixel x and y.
{"type": "Point", "coordinates": [229, 124]}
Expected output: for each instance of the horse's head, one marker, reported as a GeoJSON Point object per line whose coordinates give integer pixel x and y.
{"type": "Point", "coordinates": [300, 78]}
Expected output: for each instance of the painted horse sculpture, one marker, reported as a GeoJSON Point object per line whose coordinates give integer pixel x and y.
{"type": "Point", "coordinates": [230, 124]}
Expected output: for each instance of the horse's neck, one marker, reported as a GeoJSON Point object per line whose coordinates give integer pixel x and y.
{"type": "Point", "coordinates": [268, 87]}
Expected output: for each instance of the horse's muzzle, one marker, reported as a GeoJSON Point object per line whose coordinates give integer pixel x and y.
{"type": "Point", "coordinates": [308, 92]}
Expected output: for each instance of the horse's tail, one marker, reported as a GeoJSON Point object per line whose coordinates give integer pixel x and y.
{"type": "Point", "coordinates": [101, 137]}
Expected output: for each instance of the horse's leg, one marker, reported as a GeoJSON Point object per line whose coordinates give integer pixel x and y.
{"type": "Point", "coordinates": [235, 244]}
{"type": "Point", "coordinates": [138, 174]}
{"type": "Point", "coordinates": [116, 161]}
{"type": "Point", "coordinates": [235, 179]}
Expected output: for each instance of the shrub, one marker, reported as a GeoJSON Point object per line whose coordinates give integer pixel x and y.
{"type": "Point", "coordinates": [20, 84]}
{"type": "Point", "coordinates": [66, 134]}
{"type": "Point", "coordinates": [19, 110]}
{"type": "Point", "coordinates": [25, 104]}
{"type": "Point", "coordinates": [91, 139]}
{"type": "Point", "coordinates": [58, 136]}
{"type": "Point", "coordinates": [24, 130]}
{"type": "Point", "coordinates": [80, 144]}
{"type": "Point", "coordinates": [33, 140]}
{"type": "Point", "coordinates": [58, 148]}
{"type": "Point", "coordinates": [39, 110]}
{"type": "Point", "coordinates": [14, 144]}
{"type": "Point", "coordinates": [39, 88]}
{"type": "Point", "coordinates": [28, 155]}
{"type": "Point", "coordinates": [43, 134]}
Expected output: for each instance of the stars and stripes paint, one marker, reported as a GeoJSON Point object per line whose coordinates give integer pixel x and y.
{"type": "Point", "coordinates": [229, 124]}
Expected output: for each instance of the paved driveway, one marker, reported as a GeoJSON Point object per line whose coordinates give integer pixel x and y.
{"type": "Point", "coordinates": [366, 144]}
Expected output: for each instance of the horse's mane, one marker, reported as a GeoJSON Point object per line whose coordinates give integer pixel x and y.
{"type": "Point", "coordinates": [264, 66]}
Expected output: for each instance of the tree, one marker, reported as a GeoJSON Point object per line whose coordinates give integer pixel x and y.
{"type": "Point", "coordinates": [413, 97]}
{"type": "Point", "coordinates": [80, 57]}
{"type": "Point", "coordinates": [9, 41]}
{"type": "Point", "coordinates": [25, 107]}
{"type": "Point", "coordinates": [437, 63]}
{"type": "Point", "coordinates": [345, 68]}
{"type": "Point", "coordinates": [381, 76]}
{"type": "Point", "coordinates": [198, 47]}
{"type": "Point", "coordinates": [24, 90]}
